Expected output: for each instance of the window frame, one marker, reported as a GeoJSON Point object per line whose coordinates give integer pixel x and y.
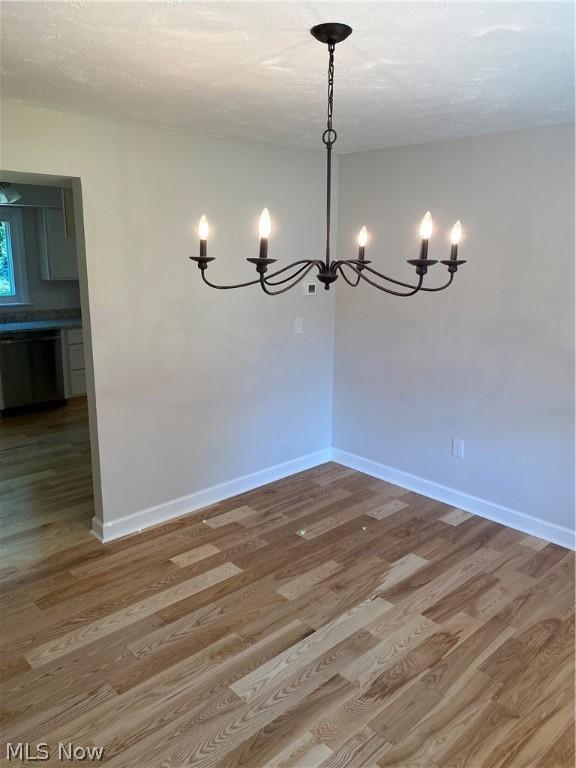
{"type": "Point", "coordinates": [14, 218]}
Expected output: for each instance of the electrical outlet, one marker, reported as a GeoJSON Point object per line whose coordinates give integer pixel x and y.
{"type": "Point", "coordinates": [298, 325]}
{"type": "Point", "coordinates": [310, 289]}
{"type": "Point", "coordinates": [458, 448]}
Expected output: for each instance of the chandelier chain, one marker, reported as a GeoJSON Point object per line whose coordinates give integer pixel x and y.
{"type": "Point", "coordinates": [329, 136]}
{"type": "Point", "coordinates": [330, 86]}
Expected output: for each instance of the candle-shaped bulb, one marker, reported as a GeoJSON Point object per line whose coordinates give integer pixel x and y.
{"type": "Point", "coordinates": [265, 227]}
{"type": "Point", "coordinates": [362, 237]}
{"type": "Point", "coordinates": [426, 226]}
{"type": "Point", "coordinates": [456, 234]}
{"type": "Point", "coordinates": [203, 228]}
{"type": "Point", "coordinates": [265, 224]}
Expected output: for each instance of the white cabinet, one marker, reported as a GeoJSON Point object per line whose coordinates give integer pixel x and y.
{"type": "Point", "coordinates": [73, 361]}
{"type": "Point", "coordinates": [75, 336]}
{"type": "Point", "coordinates": [77, 383]}
{"type": "Point", "coordinates": [76, 357]}
{"type": "Point", "coordinates": [58, 251]}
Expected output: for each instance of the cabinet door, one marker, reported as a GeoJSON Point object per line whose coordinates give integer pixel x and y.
{"type": "Point", "coordinates": [59, 260]}
{"type": "Point", "coordinates": [76, 357]}
{"type": "Point", "coordinates": [75, 336]}
{"type": "Point", "coordinates": [77, 383]}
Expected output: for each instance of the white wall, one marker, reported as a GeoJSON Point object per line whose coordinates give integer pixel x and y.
{"type": "Point", "coordinates": [491, 360]}
{"type": "Point", "coordinates": [193, 387]}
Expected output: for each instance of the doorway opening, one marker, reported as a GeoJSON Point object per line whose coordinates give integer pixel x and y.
{"type": "Point", "coordinates": [49, 484]}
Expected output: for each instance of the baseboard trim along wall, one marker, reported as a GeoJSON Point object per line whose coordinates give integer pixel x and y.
{"type": "Point", "coordinates": [534, 526]}
{"type": "Point", "coordinates": [161, 513]}
{"type": "Point", "coordinates": [138, 521]}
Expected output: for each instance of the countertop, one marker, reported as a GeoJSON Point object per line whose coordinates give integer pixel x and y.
{"type": "Point", "coordinates": [41, 325]}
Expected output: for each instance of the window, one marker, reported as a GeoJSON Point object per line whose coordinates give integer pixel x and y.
{"type": "Point", "coordinates": [13, 282]}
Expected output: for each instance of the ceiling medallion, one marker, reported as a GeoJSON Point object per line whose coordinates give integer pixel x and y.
{"type": "Point", "coordinates": [327, 269]}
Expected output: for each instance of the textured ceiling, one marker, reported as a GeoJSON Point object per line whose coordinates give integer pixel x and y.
{"type": "Point", "coordinates": [410, 73]}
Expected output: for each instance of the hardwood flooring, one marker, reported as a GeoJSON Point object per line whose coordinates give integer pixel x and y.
{"type": "Point", "coordinates": [46, 494]}
{"type": "Point", "coordinates": [328, 619]}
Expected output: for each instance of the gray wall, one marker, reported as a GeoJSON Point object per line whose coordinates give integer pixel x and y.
{"type": "Point", "coordinates": [491, 360]}
{"type": "Point", "coordinates": [192, 387]}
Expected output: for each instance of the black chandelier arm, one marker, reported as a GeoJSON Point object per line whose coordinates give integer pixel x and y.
{"type": "Point", "coordinates": [363, 265]}
{"type": "Point", "coordinates": [415, 289]}
{"type": "Point", "coordinates": [408, 285]}
{"type": "Point", "coordinates": [389, 279]}
{"type": "Point", "coordinates": [304, 264]}
{"type": "Point", "coordinates": [227, 287]}
{"type": "Point", "coordinates": [357, 262]}
{"type": "Point", "coordinates": [257, 281]}
{"type": "Point", "coordinates": [265, 286]}
{"type": "Point", "coordinates": [340, 269]}
{"type": "Point", "coordinates": [441, 287]}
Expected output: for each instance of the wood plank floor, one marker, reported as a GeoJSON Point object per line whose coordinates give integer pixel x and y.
{"type": "Point", "coordinates": [46, 492]}
{"type": "Point", "coordinates": [328, 619]}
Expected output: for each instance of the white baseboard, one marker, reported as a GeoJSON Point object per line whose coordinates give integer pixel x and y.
{"type": "Point", "coordinates": [534, 526]}
{"type": "Point", "coordinates": [177, 507]}
{"type": "Point", "coordinates": [97, 529]}
{"type": "Point", "coordinates": [161, 513]}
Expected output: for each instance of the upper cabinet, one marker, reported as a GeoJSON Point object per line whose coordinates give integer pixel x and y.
{"type": "Point", "coordinates": [59, 259]}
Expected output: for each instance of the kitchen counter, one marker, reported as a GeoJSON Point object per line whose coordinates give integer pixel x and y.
{"type": "Point", "coordinates": [41, 325]}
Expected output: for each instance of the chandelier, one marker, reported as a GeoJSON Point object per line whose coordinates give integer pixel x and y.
{"type": "Point", "coordinates": [328, 270]}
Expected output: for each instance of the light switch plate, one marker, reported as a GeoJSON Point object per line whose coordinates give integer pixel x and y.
{"type": "Point", "coordinates": [458, 448]}
{"type": "Point", "coordinates": [298, 325]}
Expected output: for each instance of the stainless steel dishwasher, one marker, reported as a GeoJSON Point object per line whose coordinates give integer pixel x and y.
{"type": "Point", "coordinates": [31, 369]}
